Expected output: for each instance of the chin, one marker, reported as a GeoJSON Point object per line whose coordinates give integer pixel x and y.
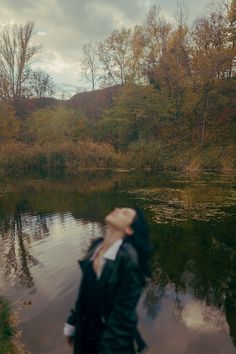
{"type": "Point", "coordinates": [108, 219]}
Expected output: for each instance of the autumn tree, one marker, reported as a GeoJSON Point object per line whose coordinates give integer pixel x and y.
{"type": "Point", "coordinates": [16, 55]}
{"type": "Point", "coordinates": [90, 63]}
{"type": "Point", "coordinates": [211, 60]}
{"type": "Point", "coordinates": [232, 34]}
{"type": "Point", "coordinates": [167, 55]}
{"type": "Point", "coordinates": [173, 73]}
{"type": "Point", "coordinates": [114, 54]}
{"type": "Point", "coordinates": [136, 63]}
{"type": "Point", "coordinates": [156, 31]}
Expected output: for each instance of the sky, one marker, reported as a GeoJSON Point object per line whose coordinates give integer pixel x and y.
{"type": "Point", "coordinates": [63, 26]}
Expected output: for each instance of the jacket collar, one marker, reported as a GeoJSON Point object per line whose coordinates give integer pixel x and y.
{"type": "Point", "coordinates": [110, 254]}
{"type": "Point", "coordinates": [112, 251]}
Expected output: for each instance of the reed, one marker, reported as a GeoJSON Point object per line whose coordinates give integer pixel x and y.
{"type": "Point", "coordinates": [18, 157]}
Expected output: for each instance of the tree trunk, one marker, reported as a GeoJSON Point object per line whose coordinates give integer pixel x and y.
{"type": "Point", "coordinates": [206, 101]}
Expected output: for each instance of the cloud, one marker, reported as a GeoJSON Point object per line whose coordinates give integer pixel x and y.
{"type": "Point", "coordinates": [41, 33]}
{"type": "Point", "coordinates": [197, 315]}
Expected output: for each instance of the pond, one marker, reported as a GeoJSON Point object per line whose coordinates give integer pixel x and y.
{"type": "Point", "coordinates": [189, 305]}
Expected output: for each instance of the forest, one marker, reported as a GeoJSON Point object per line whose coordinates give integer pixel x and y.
{"type": "Point", "coordinates": [163, 96]}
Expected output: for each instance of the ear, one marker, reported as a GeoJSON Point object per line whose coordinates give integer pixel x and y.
{"type": "Point", "coordinates": [129, 231]}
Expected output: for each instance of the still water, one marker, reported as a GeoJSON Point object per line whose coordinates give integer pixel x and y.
{"type": "Point", "coordinates": [189, 306]}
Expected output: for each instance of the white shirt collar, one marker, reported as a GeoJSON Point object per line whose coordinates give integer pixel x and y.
{"type": "Point", "coordinates": [112, 251]}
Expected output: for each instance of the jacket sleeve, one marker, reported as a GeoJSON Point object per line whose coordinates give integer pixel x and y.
{"type": "Point", "coordinates": [74, 314]}
{"type": "Point", "coordinates": [120, 326]}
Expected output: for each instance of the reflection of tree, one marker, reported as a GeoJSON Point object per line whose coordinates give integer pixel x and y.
{"type": "Point", "coordinates": [40, 225]}
{"type": "Point", "coordinates": [26, 260]}
{"type": "Point", "coordinates": [199, 258]}
{"type": "Point", "coordinates": [152, 300]}
{"type": "Point", "coordinates": [16, 259]}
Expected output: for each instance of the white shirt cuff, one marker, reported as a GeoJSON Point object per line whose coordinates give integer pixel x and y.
{"type": "Point", "coordinates": [68, 330]}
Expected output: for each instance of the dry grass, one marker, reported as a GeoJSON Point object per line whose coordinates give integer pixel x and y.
{"type": "Point", "coordinates": [10, 335]}
{"type": "Point", "coordinates": [18, 157]}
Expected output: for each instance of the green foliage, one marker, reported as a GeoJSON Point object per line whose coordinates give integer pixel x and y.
{"type": "Point", "coordinates": [137, 113]}
{"type": "Point", "coordinates": [56, 125]}
{"type": "Point", "coordinates": [6, 330]}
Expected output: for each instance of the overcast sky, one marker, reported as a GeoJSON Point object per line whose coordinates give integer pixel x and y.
{"type": "Point", "coordinates": [63, 26]}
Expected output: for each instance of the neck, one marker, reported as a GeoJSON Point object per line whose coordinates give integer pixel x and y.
{"type": "Point", "coordinates": [111, 236]}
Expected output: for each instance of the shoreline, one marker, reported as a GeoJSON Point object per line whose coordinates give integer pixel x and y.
{"type": "Point", "coordinates": [10, 335]}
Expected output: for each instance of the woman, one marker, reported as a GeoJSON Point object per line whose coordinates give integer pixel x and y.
{"type": "Point", "coordinates": [114, 271]}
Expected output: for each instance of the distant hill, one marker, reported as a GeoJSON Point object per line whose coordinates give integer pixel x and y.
{"type": "Point", "coordinates": [93, 103]}
{"type": "Point", "coordinates": [45, 102]}
{"type": "Point", "coordinates": [29, 105]}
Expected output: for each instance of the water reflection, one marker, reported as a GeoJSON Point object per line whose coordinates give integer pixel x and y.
{"type": "Point", "coordinates": [45, 224]}
{"type": "Point", "coordinates": [198, 259]}
{"type": "Point", "coordinates": [16, 258]}
{"type": "Point", "coordinates": [188, 326]}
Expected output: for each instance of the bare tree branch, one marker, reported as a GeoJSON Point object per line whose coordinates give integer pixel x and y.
{"type": "Point", "coordinates": [16, 54]}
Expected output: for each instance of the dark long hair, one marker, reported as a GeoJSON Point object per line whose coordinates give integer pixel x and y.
{"type": "Point", "coordinates": [140, 241]}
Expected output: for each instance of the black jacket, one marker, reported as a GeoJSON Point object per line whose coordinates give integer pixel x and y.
{"type": "Point", "coordinates": [120, 287]}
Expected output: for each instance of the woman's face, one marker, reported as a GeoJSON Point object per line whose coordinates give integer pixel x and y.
{"type": "Point", "coordinates": [121, 218]}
